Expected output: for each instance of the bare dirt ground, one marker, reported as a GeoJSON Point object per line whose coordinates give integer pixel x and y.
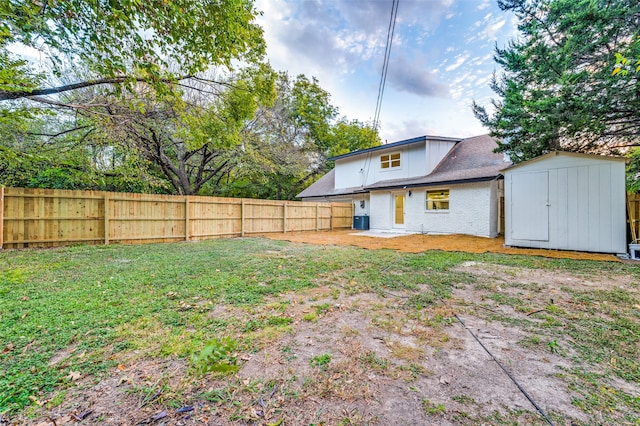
{"type": "Point", "coordinates": [387, 364]}
{"type": "Point", "coordinates": [416, 243]}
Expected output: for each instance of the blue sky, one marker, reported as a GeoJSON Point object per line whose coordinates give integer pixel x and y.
{"type": "Point", "coordinates": [441, 59]}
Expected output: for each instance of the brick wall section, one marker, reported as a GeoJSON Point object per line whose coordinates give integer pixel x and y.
{"type": "Point", "coordinates": [473, 210]}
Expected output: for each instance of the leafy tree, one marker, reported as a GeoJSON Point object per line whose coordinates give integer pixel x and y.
{"type": "Point", "coordinates": [629, 61]}
{"type": "Point", "coordinates": [122, 42]}
{"type": "Point", "coordinates": [557, 90]}
{"type": "Point", "coordinates": [287, 145]}
{"type": "Point", "coordinates": [193, 138]}
{"type": "Point", "coordinates": [45, 154]}
{"type": "Point", "coordinates": [112, 50]}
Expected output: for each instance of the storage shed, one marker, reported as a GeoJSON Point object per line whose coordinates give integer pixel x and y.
{"type": "Point", "coordinates": [566, 201]}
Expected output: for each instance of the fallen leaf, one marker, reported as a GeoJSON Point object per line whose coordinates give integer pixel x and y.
{"type": "Point", "coordinates": [74, 375]}
{"type": "Point", "coordinates": [245, 357]}
{"type": "Point", "coordinates": [160, 415]}
{"type": "Point", "coordinates": [8, 348]}
{"type": "Point", "coordinates": [184, 409]}
{"type": "Point", "coordinates": [120, 367]}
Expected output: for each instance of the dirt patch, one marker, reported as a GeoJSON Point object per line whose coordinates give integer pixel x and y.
{"type": "Point", "coordinates": [417, 243]}
{"type": "Point", "coordinates": [367, 359]}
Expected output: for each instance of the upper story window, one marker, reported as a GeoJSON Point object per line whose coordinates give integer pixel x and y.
{"type": "Point", "coordinates": [438, 200]}
{"type": "Point", "coordinates": [388, 161]}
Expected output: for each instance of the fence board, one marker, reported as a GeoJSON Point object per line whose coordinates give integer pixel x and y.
{"type": "Point", "coordinates": [633, 209]}
{"type": "Point", "coordinates": [48, 218]}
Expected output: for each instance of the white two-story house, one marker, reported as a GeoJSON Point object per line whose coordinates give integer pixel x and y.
{"type": "Point", "coordinates": [427, 184]}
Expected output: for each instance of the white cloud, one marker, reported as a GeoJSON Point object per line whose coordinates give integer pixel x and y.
{"type": "Point", "coordinates": [460, 59]}
{"type": "Point", "coordinates": [493, 28]}
{"type": "Point", "coordinates": [485, 4]}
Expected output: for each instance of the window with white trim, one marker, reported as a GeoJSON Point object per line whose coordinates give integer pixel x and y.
{"type": "Point", "coordinates": [438, 200]}
{"type": "Point", "coordinates": [388, 161]}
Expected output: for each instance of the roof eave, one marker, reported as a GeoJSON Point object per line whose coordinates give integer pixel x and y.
{"type": "Point", "coordinates": [438, 183]}
{"type": "Point", "coordinates": [394, 145]}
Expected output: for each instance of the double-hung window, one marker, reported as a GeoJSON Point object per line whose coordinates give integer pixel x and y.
{"type": "Point", "coordinates": [388, 161]}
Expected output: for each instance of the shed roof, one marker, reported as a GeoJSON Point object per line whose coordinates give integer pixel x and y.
{"type": "Point", "coordinates": [568, 154]}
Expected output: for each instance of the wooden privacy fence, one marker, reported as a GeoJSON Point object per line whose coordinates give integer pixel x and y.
{"type": "Point", "coordinates": [49, 218]}
{"type": "Point", "coordinates": [633, 211]}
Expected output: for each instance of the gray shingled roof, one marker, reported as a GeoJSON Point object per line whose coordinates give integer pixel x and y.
{"type": "Point", "coordinates": [470, 160]}
{"type": "Point", "coordinates": [325, 187]}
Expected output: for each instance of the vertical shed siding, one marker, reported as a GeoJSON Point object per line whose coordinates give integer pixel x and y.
{"type": "Point", "coordinates": [586, 204]}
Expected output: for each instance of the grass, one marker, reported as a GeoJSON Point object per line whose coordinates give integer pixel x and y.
{"type": "Point", "coordinates": [86, 309]}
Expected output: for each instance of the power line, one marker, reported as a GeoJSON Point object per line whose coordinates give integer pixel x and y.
{"type": "Point", "coordinates": [385, 62]}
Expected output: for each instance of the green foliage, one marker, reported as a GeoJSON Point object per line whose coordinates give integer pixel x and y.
{"type": "Point", "coordinates": [320, 361]}
{"type": "Point", "coordinates": [554, 347]}
{"type": "Point", "coordinates": [433, 409]}
{"type": "Point", "coordinates": [287, 145]}
{"type": "Point", "coordinates": [99, 303]}
{"type": "Point", "coordinates": [135, 39]}
{"type": "Point", "coordinates": [217, 356]}
{"type": "Point", "coordinates": [633, 170]}
{"type": "Point", "coordinates": [557, 90]}
{"type": "Point", "coordinates": [625, 64]}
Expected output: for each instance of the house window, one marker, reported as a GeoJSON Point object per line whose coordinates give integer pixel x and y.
{"type": "Point", "coordinates": [438, 200]}
{"type": "Point", "coordinates": [388, 161]}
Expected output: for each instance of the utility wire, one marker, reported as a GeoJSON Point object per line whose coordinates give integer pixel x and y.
{"type": "Point", "coordinates": [515, 382]}
{"type": "Point", "coordinates": [385, 62]}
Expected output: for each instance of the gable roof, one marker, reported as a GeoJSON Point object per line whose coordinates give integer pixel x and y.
{"type": "Point", "coordinates": [395, 145]}
{"type": "Point", "coordinates": [325, 187]}
{"type": "Point", "coordinates": [567, 154]}
{"type": "Point", "coordinates": [470, 160]}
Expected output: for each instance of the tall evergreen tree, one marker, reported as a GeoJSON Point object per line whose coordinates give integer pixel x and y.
{"type": "Point", "coordinates": [559, 88]}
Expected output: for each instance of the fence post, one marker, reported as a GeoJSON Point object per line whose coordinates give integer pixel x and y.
{"type": "Point", "coordinates": [186, 218]}
{"type": "Point", "coordinates": [106, 218]}
{"type": "Point", "coordinates": [1, 216]}
{"type": "Point", "coordinates": [284, 217]}
{"type": "Point", "coordinates": [331, 215]}
{"type": "Point", "coordinates": [242, 218]}
{"type": "Point", "coordinates": [317, 216]}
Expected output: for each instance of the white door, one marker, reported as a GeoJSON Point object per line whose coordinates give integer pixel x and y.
{"type": "Point", "coordinates": [530, 206]}
{"type": "Point", "coordinates": [398, 210]}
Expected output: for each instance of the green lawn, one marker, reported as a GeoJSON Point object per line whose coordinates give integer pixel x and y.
{"type": "Point", "coordinates": [105, 301]}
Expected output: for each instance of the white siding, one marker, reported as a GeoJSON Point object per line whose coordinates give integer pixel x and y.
{"type": "Point", "coordinates": [357, 209]}
{"type": "Point", "coordinates": [381, 217]}
{"type": "Point", "coordinates": [586, 198]}
{"type": "Point", "coordinates": [472, 210]}
{"type": "Point", "coordinates": [416, 159]}
{"type": "Point", "coordinates": [350, 172]}
{"type": "Point", "coordinates": [435, 152]}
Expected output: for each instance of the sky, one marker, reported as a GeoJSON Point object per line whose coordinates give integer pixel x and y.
{"type": "Point", "coordinates": [441, 58]}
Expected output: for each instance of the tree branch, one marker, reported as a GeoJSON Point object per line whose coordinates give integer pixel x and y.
{"type": "Point", "coordinates": [6, 95]}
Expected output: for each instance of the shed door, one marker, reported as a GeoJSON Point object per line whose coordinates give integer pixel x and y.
{"type": "Point", "coordinates": [530, 206]}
